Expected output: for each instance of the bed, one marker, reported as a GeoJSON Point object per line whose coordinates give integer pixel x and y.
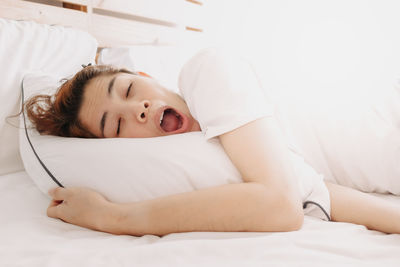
{"type": "Point", "coordinates": [30, 238]}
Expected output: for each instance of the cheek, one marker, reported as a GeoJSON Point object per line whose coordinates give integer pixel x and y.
{"type": "Point", "coordinates": [137, 130]}
{"type": "Point", "coordinates": [84, 121]}
{"type": "Point", "coordinates": [174, 98]}
{"type": "Point", "coordinates": [157, 91]}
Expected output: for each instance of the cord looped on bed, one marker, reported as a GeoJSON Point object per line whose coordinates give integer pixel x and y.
{"type": "Point", "coordinates": [29, 140]}
{"type": "Point", "coordinates": [312, 202]}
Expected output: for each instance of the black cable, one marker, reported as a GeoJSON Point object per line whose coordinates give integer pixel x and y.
{"type": "Point", "coordinates": [312, 202]}
{"type": "Point", "coordinates": [27, 137]}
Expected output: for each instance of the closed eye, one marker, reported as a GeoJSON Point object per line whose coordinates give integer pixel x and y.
{"type": "Point", "coordinates": [119, 125]}
{"type": "Point", "coordinates": [129, 89]}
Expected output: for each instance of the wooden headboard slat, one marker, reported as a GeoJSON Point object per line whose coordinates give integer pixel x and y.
{"type": "Point", "coordinates": [128, 16]}
{"type": "Point", "coordinates": [165, 10]}
{"type": "Point", "coordinates": [46, 14]}
{"type": "Point", "coordinates": [77, 2]}
{"type": "Point", "coordinates": [115, 22]}
{"type": "Point", "coordinates": [110, 31]}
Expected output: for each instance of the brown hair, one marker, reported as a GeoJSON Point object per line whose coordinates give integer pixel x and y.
{"type": "Point", "coordinates": [58, 114]}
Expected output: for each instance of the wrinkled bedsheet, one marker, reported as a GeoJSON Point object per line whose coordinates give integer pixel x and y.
{"type": "Point", "coordinates": [30, 238]}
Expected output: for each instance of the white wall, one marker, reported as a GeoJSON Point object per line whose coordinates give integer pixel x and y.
{"type": "Point", "coordinates": [309, 47]}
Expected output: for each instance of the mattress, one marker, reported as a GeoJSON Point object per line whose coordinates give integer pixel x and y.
{"type": "Point", "coordinates": [30, 238]}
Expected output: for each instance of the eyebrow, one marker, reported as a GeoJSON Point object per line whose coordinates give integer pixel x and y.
{"type": "Point", "coordinates": [111, 84]}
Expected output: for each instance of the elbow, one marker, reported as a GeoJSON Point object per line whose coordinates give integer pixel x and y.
{"type": "Point", "coordinates": [296, 221]}
{"type": "Point", "coordinates": [291, 215]}
{"type": "Point", "coordinates": [295, 214]}
{"type": "Point", "coordinates": [287, 216]}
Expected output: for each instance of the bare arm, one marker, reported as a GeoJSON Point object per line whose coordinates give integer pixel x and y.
{"type": "Point", "coordinates": [267, 201]}
{"type": "Point", "coordinates": [234, 208]}
{"type": "Point", "coordinates": [260, 153]}
{"type": "Point", "coordinates": [349, 205]}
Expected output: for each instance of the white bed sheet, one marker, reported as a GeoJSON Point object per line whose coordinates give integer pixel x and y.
{"type": "Point", "coordinates": [30, 238]}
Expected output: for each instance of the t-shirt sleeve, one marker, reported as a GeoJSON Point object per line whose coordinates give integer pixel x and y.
{"type": "Point", "coordinates": [222, 91]}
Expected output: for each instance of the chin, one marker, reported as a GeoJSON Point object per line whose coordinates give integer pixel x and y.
{"type": "Point", "coordinates": [196, 127]}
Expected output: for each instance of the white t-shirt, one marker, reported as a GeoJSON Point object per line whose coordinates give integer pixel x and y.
{"type": "Point", "coordinates": [223, 93]}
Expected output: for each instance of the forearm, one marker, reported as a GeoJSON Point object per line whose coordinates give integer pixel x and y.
{"type": "Point", "coordinates": [349, 205]}
{"type": "Point", "coordinates": [232, 207]}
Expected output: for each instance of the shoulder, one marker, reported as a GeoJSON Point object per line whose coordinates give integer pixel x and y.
{"type": "Point", "coordinates": [193, 66]}
{"type": "Point", "coordinates": [222, 91]}
{"type": "Point", "coordinates": [211, 65]}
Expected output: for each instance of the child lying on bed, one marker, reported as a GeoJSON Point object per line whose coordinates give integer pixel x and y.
{"type": "Point", "coordinates": [106, 102]}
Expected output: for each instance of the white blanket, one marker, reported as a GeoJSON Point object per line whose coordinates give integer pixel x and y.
{"type": "Point", "coordinates": [30, 238]}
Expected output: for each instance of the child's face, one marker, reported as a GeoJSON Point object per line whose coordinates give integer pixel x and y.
{"type": "Point", "coordinates": [127, 105]}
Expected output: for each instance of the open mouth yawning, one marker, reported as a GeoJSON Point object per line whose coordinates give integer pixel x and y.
{"type": "Point", "coordinates": [170, 120]}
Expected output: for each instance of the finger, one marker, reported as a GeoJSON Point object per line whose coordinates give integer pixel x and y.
{"type": "Point", "coordinates": [58, 193]}
{"type": "Point", "coordinates": [54, 203]}
{"type": "Point", "coordinates": [52, 211]}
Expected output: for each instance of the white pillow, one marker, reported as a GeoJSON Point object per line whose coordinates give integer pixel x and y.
{"type": "Point", "coordinates": [27, 46]}
{"type": "Point", "coordinates": [124, 170]}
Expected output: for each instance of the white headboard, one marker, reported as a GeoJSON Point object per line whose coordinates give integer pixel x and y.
{"type": "Point", "coordinates": [116, 22]}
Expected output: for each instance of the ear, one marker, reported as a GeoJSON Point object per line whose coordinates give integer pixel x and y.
{"type": "Point", "coordinates": [143, 74]}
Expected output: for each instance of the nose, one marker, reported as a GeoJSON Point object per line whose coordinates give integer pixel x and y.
{"type": "Point", "coordinates": [142, 112]}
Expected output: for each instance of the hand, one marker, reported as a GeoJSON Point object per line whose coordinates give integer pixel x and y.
{"type": "Point", "coordinates": [80, 206]}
